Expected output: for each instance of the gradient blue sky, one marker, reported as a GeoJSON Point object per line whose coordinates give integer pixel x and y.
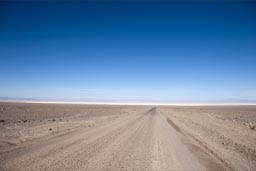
{"type": "Point", "coordinates": [155, 51]}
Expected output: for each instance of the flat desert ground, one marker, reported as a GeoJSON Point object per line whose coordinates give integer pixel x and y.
{"type": "Point", "coordinates": [126, 137]}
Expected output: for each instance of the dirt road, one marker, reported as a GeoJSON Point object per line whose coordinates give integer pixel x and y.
{"type": "Point", "coordinates": [143, 141]}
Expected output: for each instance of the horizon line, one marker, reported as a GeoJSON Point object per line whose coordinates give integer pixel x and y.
{"type": "Point", "coordinates": [134, 103]}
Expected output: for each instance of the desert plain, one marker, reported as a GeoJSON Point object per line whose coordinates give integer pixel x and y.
{"type": "Point", "coordinates": [36, 136]}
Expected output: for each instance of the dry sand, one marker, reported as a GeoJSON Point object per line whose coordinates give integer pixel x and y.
{"type": "Point", "coordinates": [123, 137]}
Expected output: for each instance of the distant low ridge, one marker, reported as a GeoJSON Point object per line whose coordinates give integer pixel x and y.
{"type": "Point", "coordinates": [132, 102]}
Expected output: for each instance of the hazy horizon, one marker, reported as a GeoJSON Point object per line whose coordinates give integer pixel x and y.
{"type": "Point", "coordinates": [129, 51]}
{"type": "Point", "coordinates": [129, 102]}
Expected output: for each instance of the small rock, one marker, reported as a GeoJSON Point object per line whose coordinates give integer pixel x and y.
{"type": "Point", "coordinates": [223, 143]}
{"type": "Point", "coordinates": [50, 129]}
{"type": "Point", "coordinates": [53, 120]}
{"type": "Point", "coordinates": [251, 126]}
{"type": "Point", "coordinates": [25, 120]}
{"type": "Point", "coordinates": [90, 125]}
{"type": "Point", "coordinates": [2, 120]}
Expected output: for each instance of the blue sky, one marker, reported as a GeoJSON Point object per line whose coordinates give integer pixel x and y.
{"type": "Point", "coordinates": [138, 51]}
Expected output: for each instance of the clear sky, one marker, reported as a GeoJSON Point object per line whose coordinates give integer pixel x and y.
{"type": "Point", "coordinates": [153, 51]}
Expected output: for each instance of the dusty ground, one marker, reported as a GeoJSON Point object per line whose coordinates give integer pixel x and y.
{"type": "Point", "coordinates": [228, 132]}
{"type": "Point", "coordinates": [20, 122]}
{"type": "Point", "coordinates": [104, 137]}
